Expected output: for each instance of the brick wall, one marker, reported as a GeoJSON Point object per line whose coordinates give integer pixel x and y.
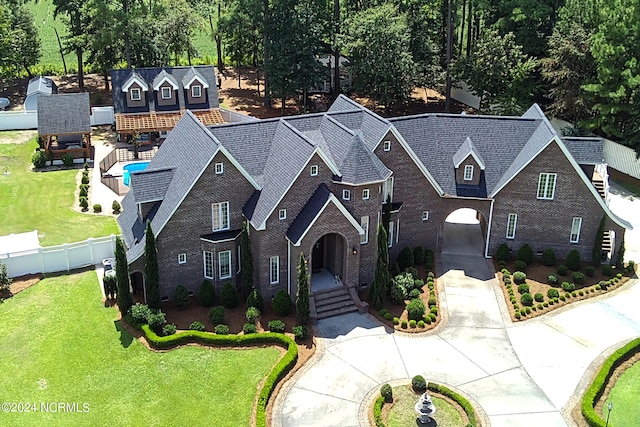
{"type": "Point", "coordinates": [475, 179]}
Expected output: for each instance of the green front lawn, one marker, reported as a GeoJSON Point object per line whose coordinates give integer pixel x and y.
{"type": "Point", "coordinates": [43, 201]}
{"type": "Point", "coordinates": [59, 344]}
{"type": "Point", "coordinates": [624, 397]}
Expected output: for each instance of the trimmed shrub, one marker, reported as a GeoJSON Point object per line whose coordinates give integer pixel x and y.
{"type": "Point", "coordinates": [421, 324]}
{"type": "Point", "coordinates": [553, 293]}
{"type": "Point", "coordinates": [589, 270]}
{"type": "Point", "coordinates": [84, 191]}
{"type": "Point", "coordinates": [84, 203]}
{"type": "Point", "coordinates": [430, 275]}
{"type": "Point", "coordinates": [197, 326]}
{"type": "Point", "coordinates": [418, 255]}
{"type": "Point", "coordinates": [276, 326]}
{"type": "Point", "coordinates": [405, 258]}
{"type": "Point", "coordinates": [540, 307]}
{"type": "Point", "coordinates": [140, 313]}
{"type": "Point", "coordinates": [382, 312]}
{"type": "Point", "coordinates": [39, 159]}
{"type": "Point", "coordinates": [581, 293]}
{"type": "Point", "coordinates": [525, 253]}
{"type": "Point", "coordinates": [207, 294]}
{"type": "Point", "coordinates": [538, 297]}
{"type": "Point", "coordinates": [434, 310]}
{"type": "Point", "coordinates": [221, 329]}
{"type": "Point", "coordinates": [388, 316]}
{"type": "Point", "coordinates": [520, 265]}
{"type": "Point", "coordinates": [432, 301]}
{"type": "Point", "coordinates": [418, 284]}
{"type": "Point", "coordinates": [249, 328]}
{"type": "Point", "coordinates": [549, 257]}
{"type": "Point", "coordinates": [156, 320]}
{"type": "Point", "coordinates": [300, 332]}
{"type": "Point", "coordinates": [415, 309]}
{"type": "Point", "coordinates": [115, 207]}
{"type": "Point", "coordinates": [403, 324]}
{"type": "Point", "coordinates": [502, 264]}
{"type": "Point", "coordinates": [281, 303]}
{"type": "Point", "coordinates": [67, 160]}
{"type": "Point", "coordinates": [252, 314]}
{"type": "Point", "coordinates": [526, 299]}
{"type": "Point", "coordinates": [398, 292]}
{"type": "Point", "coordinates": [573, 294]}
{"type": "Point", "coordinates": [573, 260]}
{"type": "Point", "coordinates": [85, 179]}
{"type": "Point", "coordinates": [396, 321]}
{"type": "Point", "coordinates": [394, 270]}
{"type": "Point", "coordinates": [413, 272]}
{"type": "Point", "coordinates": [181, 296]}
{"type": "Point", "coordinates": [552, 279]}
{"type": "Point", "coordinates": [517, 315]}
{"type": "Point", "coordinates": [97, 208]}
{"type": "Point", "coordinates": [427, 320]}
{"type": "Point", "coordinates": [419, 384]}
{"type": "Point", "coordinates": [519, 277]}
{"type": "Point", "coordinates": [255, 300]}
{"type": "Point", "coordinates": [412, 324]}
{"type": "Point", "coordinates": [432, 317]}
{"type": "Point", "coordinates": [377, 412]}
{"type": "Point", "coordinates": [607, 270]}
{"type": "Point", "coordinates": [523, 289]}
{"type": "Point", "coordinates": [568, 287]}
{"type": "Point", "coordinates": [527, 310]}
{"type": "Point", "coordinates": [168, 329]}
{"type": "Point", "coordinates": [562, 270]}
{"type": "Point", "coordinates": [229, 295]}
{"type": "Point", "coordinates": [502, 253]}
{"type": "Point", "coordinates": [387, 392]}
{"type": "Point", "coordinates": [578, 278]}
{"type": "Point", "coordinates": [216, 315]}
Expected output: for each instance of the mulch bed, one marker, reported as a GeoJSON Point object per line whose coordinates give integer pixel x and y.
{"type": "Point", "coordinates": [19, 284]}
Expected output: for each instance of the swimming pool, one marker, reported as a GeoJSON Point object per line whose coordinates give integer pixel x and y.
{"type": "Point", "coordinates": [132, 167]}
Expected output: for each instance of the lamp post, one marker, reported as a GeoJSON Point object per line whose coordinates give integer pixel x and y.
{"type": "Point", "coordinates": [609, 407]}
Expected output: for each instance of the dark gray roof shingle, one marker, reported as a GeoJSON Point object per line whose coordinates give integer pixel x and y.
{"type": "Point", "coordinates": [586, 151]}
{"type": "Point", "coordinates": [150, 184]}
{"type": "Point", "coordinates": [311, 209]}
{"type": "Point", "coordinates": [64, 113]}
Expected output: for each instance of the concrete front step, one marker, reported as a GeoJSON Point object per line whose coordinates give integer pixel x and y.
{"type": "Point", "coordinates": [333, 302]}
{"type": "Point", "coordinates": [337, 312]}
{"type": "Point", "coordinates": [336, 305]}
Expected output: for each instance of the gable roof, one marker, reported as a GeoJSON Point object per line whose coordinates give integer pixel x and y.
{"type": "Point", "coordinates": [191, 76]}
{"type": "Point", "coordinates": [467, 149]}
{"type": "Point", "coordinates": [64, 113]}
{"type": "Point", "coordinates": [162, 77]}
{"type": "Point", "coordinates": [621, 158]}
{"type": "Point", "coordinates": [586, 151]}
{"type": "Point", "coordinates": [150, 185]}
{"type": "Point", "coordinates": [41, 85]}
{"type": "Point", "coordinates": [134, 77]}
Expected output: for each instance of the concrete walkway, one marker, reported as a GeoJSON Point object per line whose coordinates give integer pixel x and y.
{"type": "Point", "coordinates": [520, 374]}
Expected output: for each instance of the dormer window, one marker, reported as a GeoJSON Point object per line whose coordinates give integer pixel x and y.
{"type": "Point", "coordinates": [468, 172]}
{"type": "Point", "coordinates": [166, 93]}
{"type": "Point", "coordinates": [135, 94]}
{"type": "Point", "coordinates": [196, 91]}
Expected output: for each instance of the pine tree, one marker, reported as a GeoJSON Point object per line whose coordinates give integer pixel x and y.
{"type": "Point", "coordinates": [122, 277]}
{"type": "Point", "coordinates": [247, 260]}
{"type": "Point", "coordinates": [378, 288]}
{"type": "Point", "coordinates": [151, 268]}
{"type": "Point", "coordinates": [302, 296]}
{"type": "Point", "coordinates": [596, 254]}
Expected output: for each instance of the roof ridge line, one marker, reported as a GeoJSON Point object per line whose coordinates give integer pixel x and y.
{"type": "Point", "coordinates": [297, 132]}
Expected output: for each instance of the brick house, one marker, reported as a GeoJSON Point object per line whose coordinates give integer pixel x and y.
{"type": "Point", "coordinates": [317, 183]}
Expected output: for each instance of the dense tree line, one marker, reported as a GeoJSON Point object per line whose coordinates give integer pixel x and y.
{"type": "Point", "coordinates": [577, 58]}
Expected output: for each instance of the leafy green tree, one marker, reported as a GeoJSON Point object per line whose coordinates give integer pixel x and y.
{"type": "Point", "coordinates": [302, 295]}
{"type": "Point", "coordinates": [152, 277]}
{"type": "Point", "coordinates": [122, 276]}
{"type": "Point", "coordinates": [381, 62]}
{"type": "Point", "coordinates": [106, 43]}
{"type": "Point", "coordinates": [24, 40]}
{"type": "Point", "coordinates": [76, 41]}
{"type": "Point", "coordinates": [246, 260]}
{"type": "Point", "coordinates": [378, 289]}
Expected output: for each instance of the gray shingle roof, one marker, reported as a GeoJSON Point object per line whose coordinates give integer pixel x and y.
{"type": "Point", "coordinates": [150, 184]}
{"type": "Point", "coordinates": [193, 73]}
{"type": "Point", "coordinates": [621, 158]}
{"type": "Point", "coordinates": [343, 103]}
{"type": "Point", "coordinates": [361, 166]}
{"type": "Point", "coordinates": [586, 151]}
{"type": "Point", "coordinates": [162, 75]}
{"type": "Point", "coordinates": [467, 149]}
{"type": "Point", "coordinates": [311, 209]}
{"type": "Point", "coordinates": [64, 113]}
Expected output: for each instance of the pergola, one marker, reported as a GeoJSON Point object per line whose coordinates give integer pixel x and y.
{"type": "Point", "coordinates": [129, 124]}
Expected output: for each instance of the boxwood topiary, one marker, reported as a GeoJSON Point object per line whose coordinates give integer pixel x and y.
{"type": "Point", "coordinates": [249, 328]}
{"type": "Point", "coordinates": [553, 293]}
{"type": "Point", "coordinates": [281, 303]}
{"type": "Point", "coordinates": [300, 332]}
{"type": "Point", "coordinates": [387, 392]}
{"type": "Point", "coordinates": [432, 316]}
{"type": "Point", "coordinates": [552, 279]}
{"type": "Point", "coordinates": [39, 159]}
{"type": "Point", "coordinates": [412, 324]}
{"type": "Point", "coordinates": [573, 260]}
{"type": "Point", "coordinates": [276, 326]}
{"type": "Point", "coordinates": [589, 270]}
{"type": "Point", "coordinates": [578, 278]}
{"type": "Point", "coordinates": [403, 324]}
{"type": "Point", "coordinates": [415, 309]}
{"type": "Point", "coordinates": [526, 299]}
{"type": "Point", "coordinates": [181, 296]}
{"type": "Point", "coordinates": [419, 384]}
{"type": "Point", "coordinates": [229, 295]}
{"type": "Point", "coordinates": [216, 315]}
{"type": "Point", "coordinates": [607, 270]}
{"type": "Point", "coordinates": [388, 316]}
{"type": "Point", "coordinates": [525, 253]}
{"type": "Point", "coordinates": [520, 265]}
{"type": "Point", "coordinates": [519, 277]}
{"type": "Point", "coordinates": [405, 258]}
{"type": "Point", "coordinates": [432, 301]}
{"type": "Point", "coordinates": [252, 314]}
{"type": "Point", "coordinates": [418, 255]}
{"type": "Point", "coordinates": [568, 287]}
{"type": "Point", "coordinates": [523, 289]}
{"type": "Point", "coordinates": [538, 297]}
{"type": "Point", "coordinates": [549, 257]}
{"type": "Point", "coordinates": [415, 293]}
{"type": "Point", "coordinates": [197, 326]}
{"type": "Point", "coordinates": [221, 329]}
{"type": "Point", "coordinates": [168, 329]}
{"type": "Point", "coordinates": [421, 324]}
{"type": "Point", "coordinates": [502, 253]}
{"type": "Point", "coordinates": [255, 300]}
{"type": "Point", "coordinates": [140, 313]}
{"type": "Point", "coordinates": [207, 293]}
{"type": "Point", "coordinates": [97, 208]}
{"type": "Point", "coordinates": [562, 270]}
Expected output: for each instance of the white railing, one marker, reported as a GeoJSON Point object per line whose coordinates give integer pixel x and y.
{"type": "Point", "coordinates": [65, 257]}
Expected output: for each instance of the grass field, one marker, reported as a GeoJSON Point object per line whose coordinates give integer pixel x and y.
{"type": "Point", "coordinates": [43, 201]}
{"type": "Point", "coordinates": [403, 414]}
{"type": "Point", "coordinates": [59, 344]}
{"type": "Point", "coordinates": [624, 396]}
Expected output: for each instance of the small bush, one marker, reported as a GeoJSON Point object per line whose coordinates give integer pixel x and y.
{"type": "Point", "coordinates": [525, 253]}
{"type": "Point", "coordinates": [520, 265]}
{"type": "Point", "coordinates": [156, 320]}
{"type": "Point", "coordinates": [418, 255]}
{"type": "Point", "coordinates": [540, 307]}
{"type": "Point", "coordinates": [197, 326]}
{"type": "Point", "coordinates": [382, 312]}
{"type": "Point", "coordinates": [206, 294]}
{"type": "Point", "coordinates": [434, 310]}
{"type": "Point", "coordinates": [581, 293]}
{"type": "Point", "coordinates": [502, 264]}
{"type": "Point", "coordinates": [432, 301]}
{"type": "Point", "coordinates": [412, 324]}
{"type": "Point", "coordinates": [523, 289]}
{"type": "Point", "coordinates": [419, 384]}
{"type": "Point", "coordinates": [538, 297]}
{"type": "Point", "coordinates": [405, 258]}
{"type": "Point", "coordinates": [415, 293]}
{"type": "Point", "coordinates": [276, 326]}
{"type": "Point", "coordinates": [281, 303]}
{"type": "Point", "coordinates": [398, 292]}
{"type": "Point", "coordinates": [519, 277]}
{"type": "Point", "coordinates": [39, 159]}
{"type": "Point", "coordinates": [84, 203]}
{"type": "Point", "coordinates": [388, 316]}
{"type": "Point", "coordinates": [394, 270]}
{"type": "Point", "coordinates": [562, 270]}
{"type": "Point", "coordinates": [562, 298]}
{"type": "Point", "coordinates": [418, 284]}
{"type": "Point", "coordinates": [507, 280]}
{"type": "Point", "coordinates": [432, 317]}
{"type": "Point", "coordinates": [300, 332]}
{"type": "Point", "coordinates": [552, 279]}
{"type": "Point", "coordinates": [421, 324]}
{"type": "Point", "coordinates": [396, 321]}
{"type": "Point", "coordinates": [181, 296]}
{"type": "Point", "coordinates": [168, 329]}
{"type": "Point", "coordinates": [573, 260]}
{"type": "Point", "coordinates": [553, 293]}
{"type": "Point", "coordinates": [578, 278]}
{"type": "Point", "coordinates": [140, 313]}
{"type": "Point", "coordinates": [216, 315]}
{"type": "Point", "coordinates": [115, 207]}
{"type": "Point", "coordinates": [387, 392]}
{"type": "Point", "coordinates": [255, 300]}
{"type": "Point", "coordinates": [403, 324]}
{"type": "Point", "coordinates": [249, 328]}
{"type": "Point", "coordinates": [85, 179]}
{"type": "Point", "coordinates": [430, 275]}
{"type": "Point", "coordinates": [252, 314]}
{"type": "Point", "coordinates": [415, 309]}
{"type": "Point", "coordinates": [221, 329]}
{"type": "Point", "coordinates": [502, 253]}
{"type": "Point", "coordinates": [97, 208]}
{"type": "Point", "coordinates": [67, 160]}
{"type": "Point", "coordinates": [526, 299]}
{"type": "Point", "coordinates": [607, 270]}
{"type": "Point", "coordinates": [517, 315]}
{"type": "Point", "coordinates": [568, 287]}
{"type": "Point", "coordinates": [427, 320]}
{"type": "Point", "coordinates": [413, 272]}
{"type": "Point", "coordinates": [229, 295]}
{"type": "Point", "coordinates": [527, 310]}
{"type": "Point", "coordinates": [589, 270]}
{"type": "Point", "coordinates": [574, 294]}
{"type": "Point", "coordinates": [84, 191]}
{"type": "Point", "coordinates": [549, 257]}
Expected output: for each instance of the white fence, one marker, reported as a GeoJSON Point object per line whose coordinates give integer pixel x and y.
{"type": "Point", "coordinates": [20, 120]}
{"type": "Point", "coordinates": [59, 258]}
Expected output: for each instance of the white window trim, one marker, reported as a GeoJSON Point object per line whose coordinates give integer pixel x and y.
{"type": "Point", "coordinates": [364, 223]}
{"type": "Point", "coordinates": [239, 260]}
{"type": "Point", "coordinates": [314, 170]}
{"type": "Point", "coordinates": [425, 215]}
{"type": "Point", "coordinates": [228, 275]}
{"type": "Point", "coordinates": [576, 220]}
{"type": "Point", "coordinates": [346, 194]}
{"type": "Point", "coordinates": [388, 189]}
{"type": "Point", "coordinates": [282, 214]}
{"type": "Point", "coordinates": [387, 145]}
{"type": "Point", "coordinates": [365, 194]}
{"type": "Point", "coordinates": [515, 224]}
{"type": "Point", "coordinates": [390, 237]}
{"type": "Point", "coordinates": [397, 230]}
{"type": "Point", "coordinates": [182, 258]}
{"type": "Point", "coordinates": [543, 186]}
{"type": "Point", "coordinates": [193, 88]}
{"type": "Point", "coordinates": [204, 264]}
{"type": "Point", "coordinates": [220, 209]}
{"type": "Point", "coordinates": [162, 92]}
{"type": "Point", "coordinates": [274, 261]}
{"type": "Point", "coordinates": [219, 168]}
{"type": "Point", "coordinates": [138, 95]}
{"type": "Point", "coordinates": [468, 172]}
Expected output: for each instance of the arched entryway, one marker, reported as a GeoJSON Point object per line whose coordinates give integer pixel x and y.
{"type": "Point", "coordinates": [464, 232]}
{"type": "Point", "coordinates": [328, 262]}
{"type": "Point", "coordinates": [137, 285]}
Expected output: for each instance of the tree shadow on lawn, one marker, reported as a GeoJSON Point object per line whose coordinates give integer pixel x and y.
{"type": "Point", "coordinates": [125, 337]}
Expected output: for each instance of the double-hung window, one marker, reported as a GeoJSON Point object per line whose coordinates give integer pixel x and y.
{"type": "Point", "coordinates": [274, 270]}
{"type": "Point", "coordinates": [220, 216]}
{"type": "Point", "coordinates": [511, 226]}
{"type": "Point", "coordinates": [547, 186]}
{"type": "Point", "coordinates": [390, 233]}
{"type": "Point", "coordinates": [196, 91]}
{"type": "Point", "coordinates": [468, 172]}
{"type": "Point", "coordinates": [135, 94]}
{"type": "Point", "coordinates": [576, 225]}
{"type": "Point", "coordinates": [166, 93]}
{"type": "Point", "coordinates": [207, 258]}
{"type": "Point", "coordinates": [224, 264]}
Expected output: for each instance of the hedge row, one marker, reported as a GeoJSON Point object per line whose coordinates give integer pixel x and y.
{"type": "Point", "coordinates": [464, 403]}
{"type": "Point", "coordinates": [279, 371]}
{"type": "Point", "coordinates": [595, 390]}
{"type": "Point", "coordinates": [377, 412]}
